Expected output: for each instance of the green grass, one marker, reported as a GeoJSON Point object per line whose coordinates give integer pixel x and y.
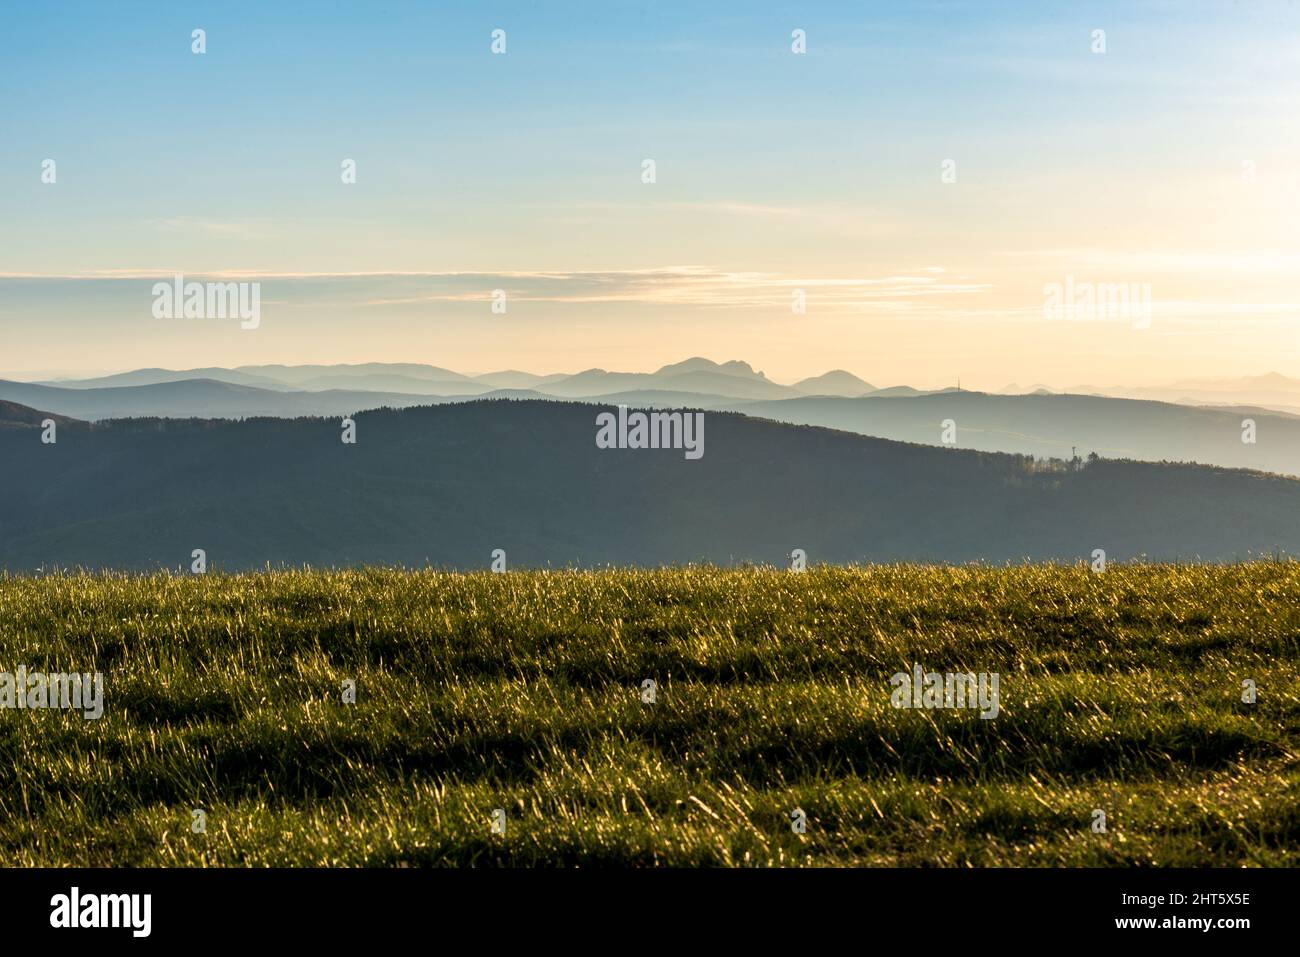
{"type": "Point", "coordinates": [1119, 691]}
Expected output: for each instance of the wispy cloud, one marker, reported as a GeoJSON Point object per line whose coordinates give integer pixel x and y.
{"type": "Point", "coordinates": [833, 217]}
{"type": "Point", "coordinates": [1196, 262]}
{"type": "Point", "coordinates": [687, 285]}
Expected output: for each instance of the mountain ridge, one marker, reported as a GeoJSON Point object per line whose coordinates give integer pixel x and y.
{"type": "Point", "coordinates": [446, 484]}
{"type": "Point", "coordinates": [1043, 425]}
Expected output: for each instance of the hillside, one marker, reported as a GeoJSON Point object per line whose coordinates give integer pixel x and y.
{"type": "Point", "coordinates": [1042, 425]}
{"type": "Point", "coordinates": [447, 484]}
{"type": "Point", "coordinates": [15, 416]}
{"type": "Point", "coordinates": [196, 398]}
{"type": "Point", "coordinates": [1049, 426]}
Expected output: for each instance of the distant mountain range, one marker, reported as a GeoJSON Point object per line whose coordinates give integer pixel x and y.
{"type": "Point", "coordinates": [697, 376]}
{"type": "Point", "coordinates": [732, 379]}
{"type": "Point", "coordinates": [1039, 423]}
{"type": "Point", "coordinates": [447, 484]}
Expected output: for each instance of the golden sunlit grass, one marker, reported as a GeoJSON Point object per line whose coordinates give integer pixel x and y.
{"type": "Point", "coordinates": [1119, 691]}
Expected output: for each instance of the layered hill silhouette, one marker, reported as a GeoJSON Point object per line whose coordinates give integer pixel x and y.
{"type": "Point", "coordinates": [734, 379]}
{"type": "Point", "coordinates": [698, 376]}
{"type": "Point", "coordinates": [1054, 426]}
{"type": "Point", "coordinates": [1041, 424]}
{"type": "Point", "coordinates": [446, 484]}
{"type": "Point", "coordinates": [196, 398]}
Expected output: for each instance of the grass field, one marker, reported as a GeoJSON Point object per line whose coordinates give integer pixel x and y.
{"type": "Point", "coordinates": [1119, 691]}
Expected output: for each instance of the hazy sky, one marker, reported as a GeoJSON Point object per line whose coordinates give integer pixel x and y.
{"type": "Point", "coordinates": [1170, 161]}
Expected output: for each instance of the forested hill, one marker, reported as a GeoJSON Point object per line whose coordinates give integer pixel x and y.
{"type": "Point", "coordinates": [448, 484]}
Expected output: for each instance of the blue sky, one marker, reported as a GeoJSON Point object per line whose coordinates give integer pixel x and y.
{"type": "Point", "coordinates": [774, 172]}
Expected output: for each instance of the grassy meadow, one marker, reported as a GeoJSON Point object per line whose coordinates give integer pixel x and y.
{"type": "Point", "coordinates": [1119, 691]}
